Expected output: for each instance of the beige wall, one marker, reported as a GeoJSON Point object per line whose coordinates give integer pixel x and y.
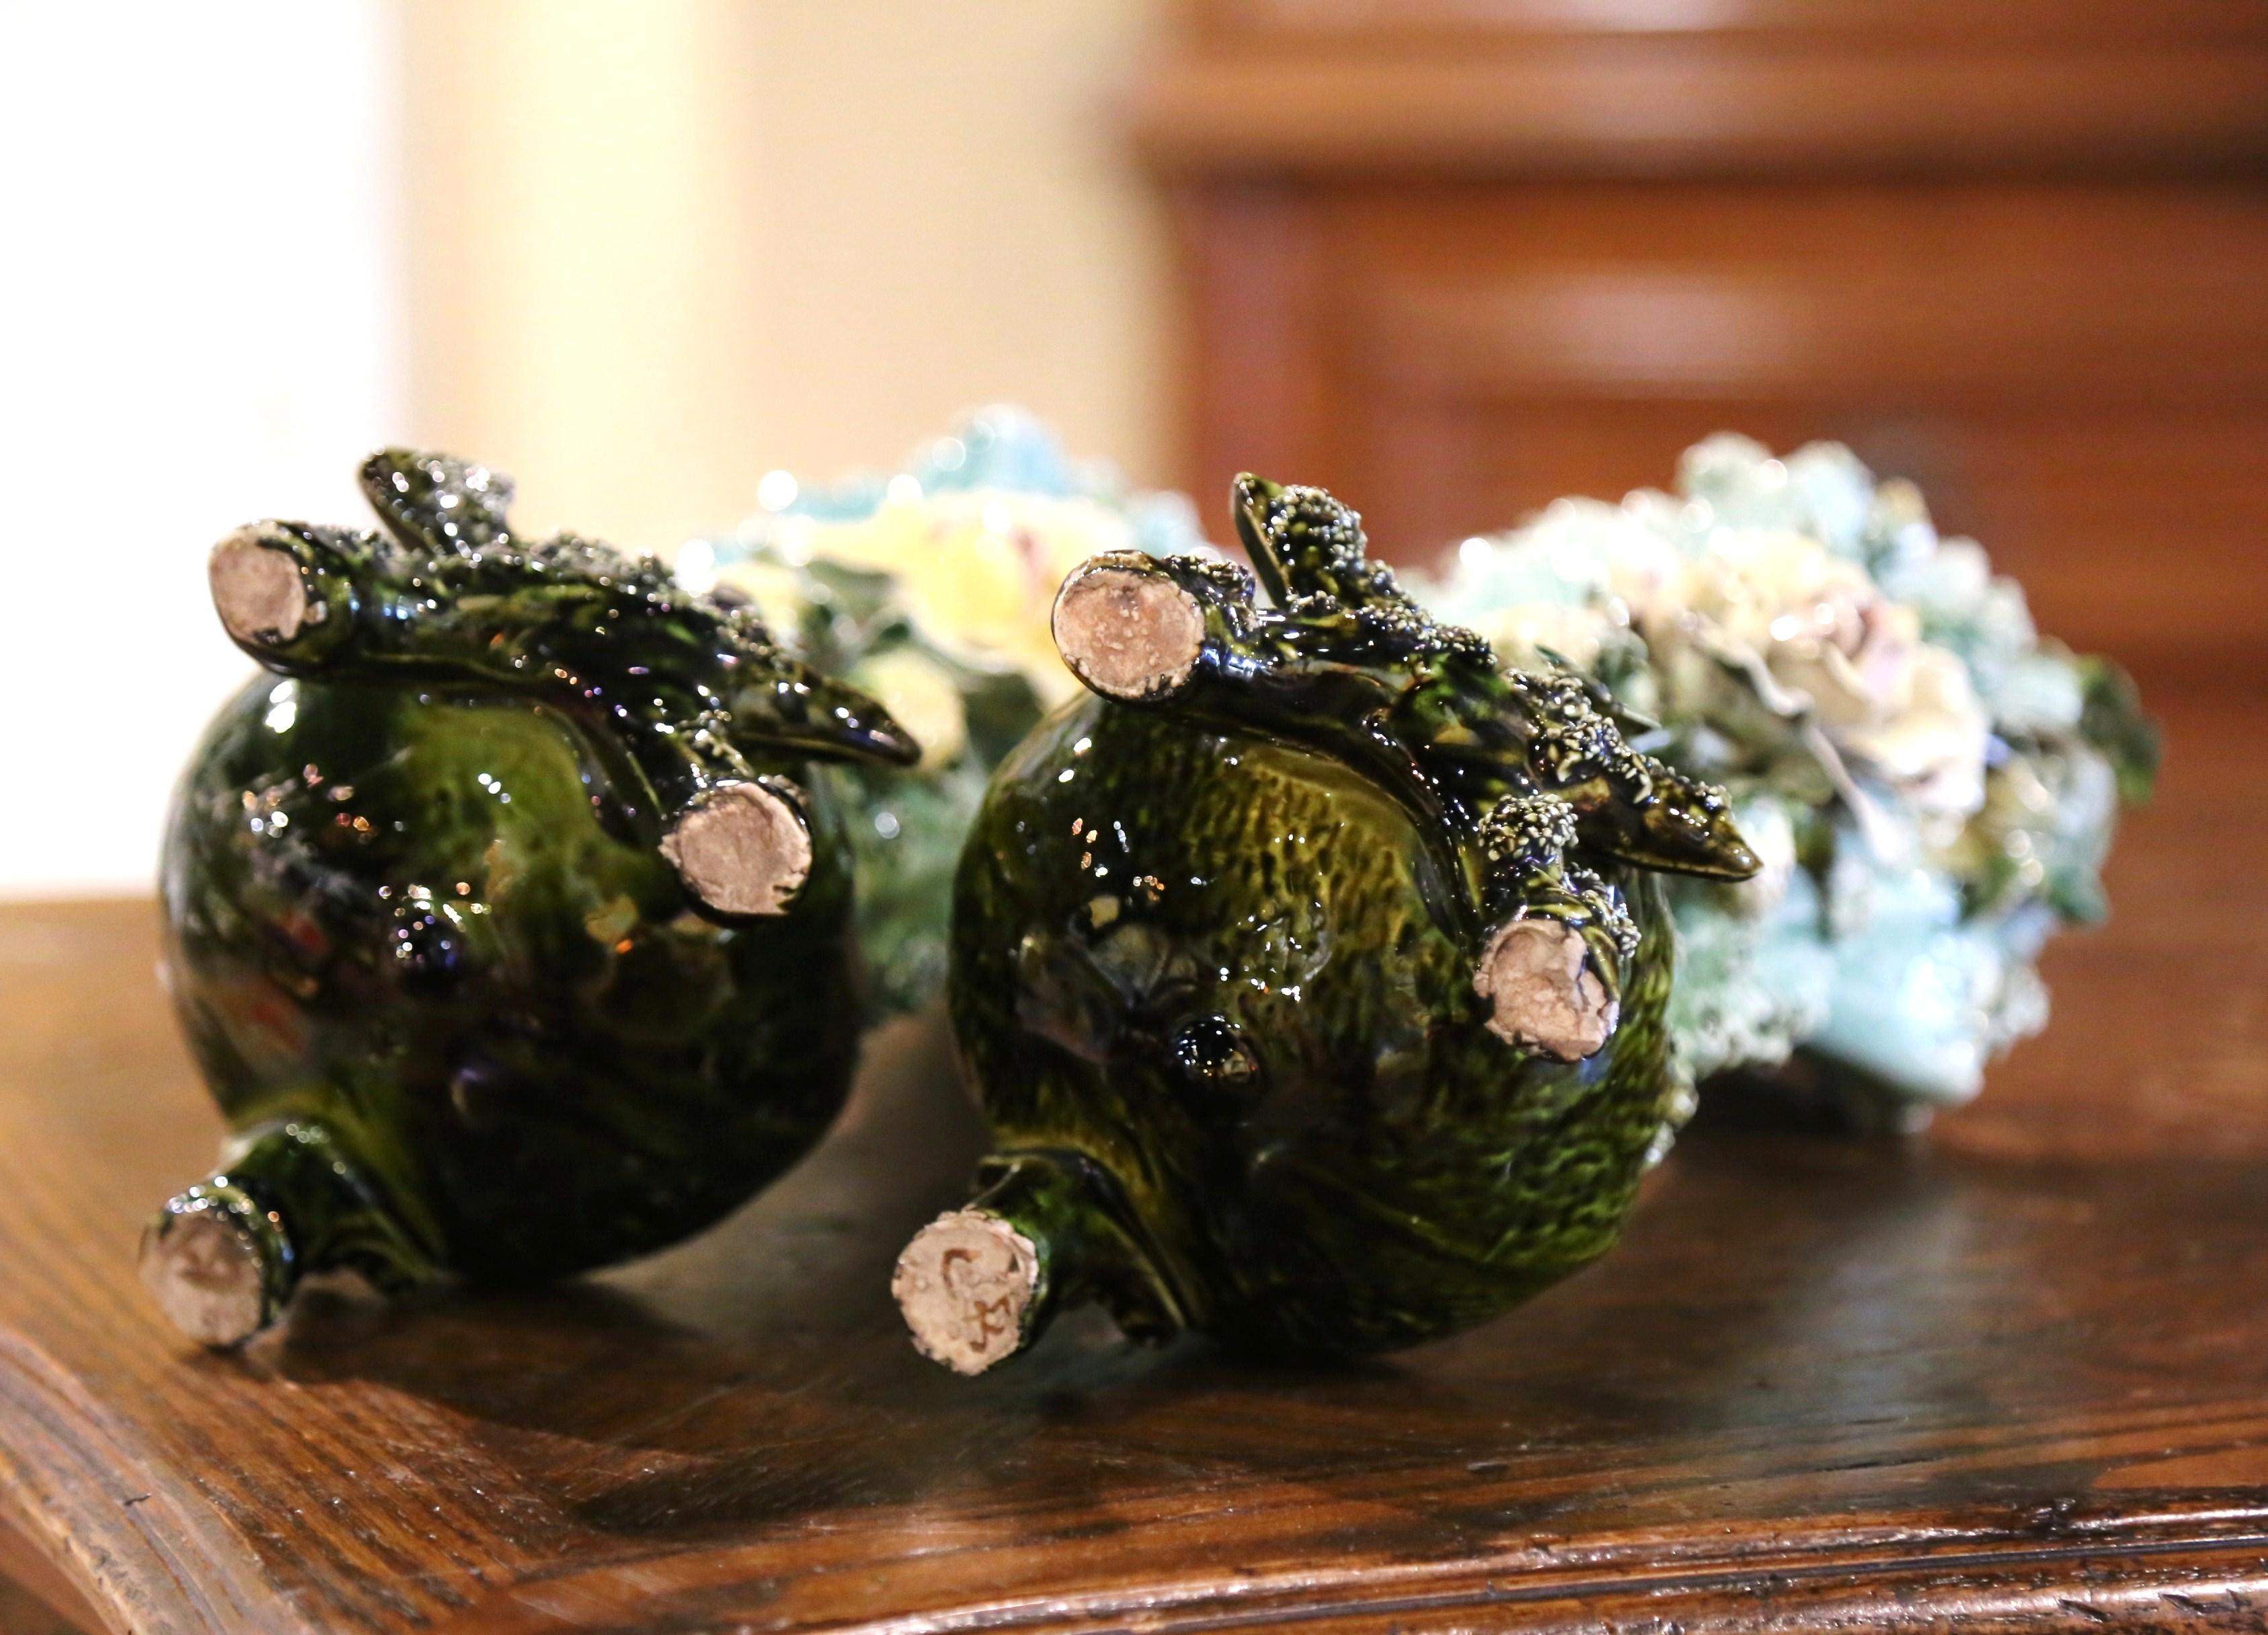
{"type": "Point", "coordinates": [198, 327]}
{"type": "Point", "coordinates": [659, 247]}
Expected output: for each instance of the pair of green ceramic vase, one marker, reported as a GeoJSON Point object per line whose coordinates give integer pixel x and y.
{"type": "Point", "coordinates": [1311, 968]}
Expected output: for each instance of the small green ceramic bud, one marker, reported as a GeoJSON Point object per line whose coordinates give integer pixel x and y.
{"type": "Point", "coordinates": [502, 914]}
{"type": "Point", "coordinates": [1311, 970]}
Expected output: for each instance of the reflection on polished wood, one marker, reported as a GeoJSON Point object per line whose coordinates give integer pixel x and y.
{"type": "Point", "coordinates": [35, 1596]}
{"type": "Point", "coordinates": [2010, 1373]}
{"type": "Point", "coordinates": [1451, 259]}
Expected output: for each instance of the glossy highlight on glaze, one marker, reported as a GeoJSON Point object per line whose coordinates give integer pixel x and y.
{"type": "Point", "coordinates": [1311, 969]}
{"type": "Point", "coordinates": [501, 914]}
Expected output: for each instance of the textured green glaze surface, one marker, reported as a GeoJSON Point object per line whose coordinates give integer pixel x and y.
{"type": "Point", "coordinates": [455, 1001]}
{"type": "Point", "coordinates": [1214, 959]}
{"type": "Point", "coordinates": [1232, 975]}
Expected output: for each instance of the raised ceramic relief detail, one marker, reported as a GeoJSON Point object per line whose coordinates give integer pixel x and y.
{"type": "Point", "coordinates": [1311, 968]}
{"type": "Point", "coordinates": [505, 916]}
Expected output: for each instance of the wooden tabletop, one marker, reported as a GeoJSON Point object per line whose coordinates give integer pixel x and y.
{"type": "Point", "coordinates": [2012, 1373]}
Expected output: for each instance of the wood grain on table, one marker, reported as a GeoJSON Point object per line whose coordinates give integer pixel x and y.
{"type": "Point", "coordinates": [2010, 1374]}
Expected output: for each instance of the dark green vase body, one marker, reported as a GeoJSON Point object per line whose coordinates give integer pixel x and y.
{"type": "Point", "coordinates": [504, 914]}
{"type": "Point", "coordinates": [1312, 971]}
{"type": "Point", "coordinates": [1227, 980]}
{"type": "Point", "coordinates": [421, 923]}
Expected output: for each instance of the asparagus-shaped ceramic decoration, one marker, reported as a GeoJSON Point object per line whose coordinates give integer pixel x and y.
{"type": "Point", "coordinates": [1310, 968]}
{"type": "Point", "coordinates": [502, 914]}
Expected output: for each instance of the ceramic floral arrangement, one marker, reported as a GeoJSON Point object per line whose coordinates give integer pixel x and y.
{"type": "Point", "coordinates": [1931, 786]}
{"type": "Point", "coordinates": [929, 589]}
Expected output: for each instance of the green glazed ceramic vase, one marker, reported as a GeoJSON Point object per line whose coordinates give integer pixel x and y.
{"type": "Point", "coordinates": [1310, 968]}
{"type": "Point", "coordinates": [501, 914]}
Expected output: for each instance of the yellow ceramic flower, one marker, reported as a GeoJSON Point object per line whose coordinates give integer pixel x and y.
{"type": "Point", "coordinates": [780, 594]}
{"type": "Point", "coordinates": [921, 696]}
{"type": "Point", "coordinates": [976, 572]}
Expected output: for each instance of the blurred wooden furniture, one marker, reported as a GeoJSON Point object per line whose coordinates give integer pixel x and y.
{"type": "Point", "coordinates": [2010, 1374]}
{"type": "Point", "coordinates": [1453, 257]}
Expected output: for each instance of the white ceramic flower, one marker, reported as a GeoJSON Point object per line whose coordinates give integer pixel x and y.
{"type": "Point", "coordinates": [1528, 635]}
{"type": "Point", "coordinates": [1837, 650]}
{"type": "Point", "coordinates": [1931, 748]}
{"type": "Point", "coordinates": [1805, 634]}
